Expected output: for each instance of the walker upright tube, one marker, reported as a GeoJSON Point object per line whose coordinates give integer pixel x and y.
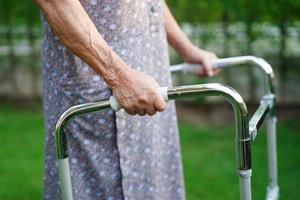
{"type": "Point", "coordinates": [273, 189]}
{"type": "Point", "coordinates": [61, 143]}
{"type": "Point", "coordinates": [65, 179]}
{"type": "Point", "coordinates": [242, 138]}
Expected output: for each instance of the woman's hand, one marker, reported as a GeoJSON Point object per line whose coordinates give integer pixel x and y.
{"type": "Point", "coordinates": [137, 93]}
{"type": "Point", "coordinates": [196, 55]}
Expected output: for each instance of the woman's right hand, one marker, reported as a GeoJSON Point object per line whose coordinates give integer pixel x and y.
{"type": "Point", "coordinates": [137, 93]}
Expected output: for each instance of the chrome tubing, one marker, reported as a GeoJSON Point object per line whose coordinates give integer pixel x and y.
{"type": "Point", "coordinates": [273, 188]}
{"type": "Point", "coordinates": [243, 138]}
{"type": "Point", "coordinates": [267, 109]}
{"type": "Point", "coordinates": [60, 137]}
{"type": "Point", "coordinates": [259, 116]}
{"type": "Point", "coordinates": [61, 143]}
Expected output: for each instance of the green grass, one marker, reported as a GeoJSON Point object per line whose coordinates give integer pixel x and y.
{"type": "Point", "coordinates": [208, 156]}
{"type": "Point", "coordinates": [21, 154]}
{"type": "Point", "coordinates": [209, 162]}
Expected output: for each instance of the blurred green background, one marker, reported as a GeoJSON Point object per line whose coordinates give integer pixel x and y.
{"type": "Point", "coordinates": [265, 28]}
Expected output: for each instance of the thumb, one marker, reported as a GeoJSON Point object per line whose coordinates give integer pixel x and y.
{"type": "Point", "coordinates": [208, 67]}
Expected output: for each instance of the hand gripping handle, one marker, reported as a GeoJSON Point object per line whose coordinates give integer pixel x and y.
{"type": "Point", "coordinates": [114, 104]}
{"type": "Point", "coordinates": [218, 63]}
{"type": "Point", "coordinates": [192, 68]}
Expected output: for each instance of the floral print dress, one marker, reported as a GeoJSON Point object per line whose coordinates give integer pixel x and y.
{"type": "Point", "coordinates": [113, 156]}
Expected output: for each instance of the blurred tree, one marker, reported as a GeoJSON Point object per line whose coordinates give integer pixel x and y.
{"type": "Point", "coordinates": [20, 12]}
{"type": "Point", "coordinates": [13, 16]}
{"type": "Point", "coordinates": [31, 19]}
{"type": "Point", "coordinates": [227, 10]}
{"type": "Point", "coordinates": [282, 12]}
{"type": "Point", "coordinates": [195, 11]}
{"type": "Point", "coordinates": [19, 21]}
{"type": "Point", "coordinates": [251, 11]}
{"type": "Point", "coordinates": [7, 8]}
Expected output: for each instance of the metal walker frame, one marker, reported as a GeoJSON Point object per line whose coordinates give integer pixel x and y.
{"type": "Point", "coordinates": [246, 130]}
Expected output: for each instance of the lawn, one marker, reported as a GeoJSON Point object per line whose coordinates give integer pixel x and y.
{"type": "Point", "coordinates": [208, 156]}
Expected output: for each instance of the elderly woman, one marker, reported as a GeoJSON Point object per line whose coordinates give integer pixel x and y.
{"type": "Point", "coordinates": [91, 49]}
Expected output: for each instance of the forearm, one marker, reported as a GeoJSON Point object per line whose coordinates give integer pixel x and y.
{"type": "Point", "coordinates": [77, 32]}
{"type": "Point", "coordinates": [176, 37]}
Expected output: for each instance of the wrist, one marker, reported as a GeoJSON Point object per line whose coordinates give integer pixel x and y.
{"type": "Point", "coordinates": [185, 49]}
{"type": "Point", "coordinates": [115, 71]}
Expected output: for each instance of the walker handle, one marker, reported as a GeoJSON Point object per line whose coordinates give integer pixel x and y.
{"type": "Point", "coordinates": [114, 104]}
{"type": "Point", "coordinates": [218, 63]}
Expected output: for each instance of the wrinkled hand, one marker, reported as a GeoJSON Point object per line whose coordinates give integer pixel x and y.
{"type": "Point", "coordinates": [195, 55]}
{"type": "Point", "coordinates": [137, 93]}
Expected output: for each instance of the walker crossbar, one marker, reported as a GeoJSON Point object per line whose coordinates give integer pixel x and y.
{"type": "Point", "coordinates": [265, 107]}
{"type": "Point", "coordinates": [257, 119]}
{"type": "Point", "coordinates": [243, 138]}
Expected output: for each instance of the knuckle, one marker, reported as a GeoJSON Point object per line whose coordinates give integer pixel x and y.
{"type": "Point", "coordinates": [152, 113]}
{"type": "Point", "coordinates": [152, 91]}
{"type": "Point", "coordinates": [141, 112]}
{"type": "Point", "coordinates": [142, 99]}
{"type": "Point", "coordinates": [130, 112]}
{"type": "Point", "coordinates": [129, 109]}
{"type": "Point", "coordinates": [161, 108]}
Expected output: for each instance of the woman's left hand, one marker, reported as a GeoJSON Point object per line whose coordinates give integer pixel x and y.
{"type": "Point", "coordinates": [195, 55]}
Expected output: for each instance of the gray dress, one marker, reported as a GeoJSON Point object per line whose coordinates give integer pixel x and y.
{"type": "Point", "coordinates": [113, 155]}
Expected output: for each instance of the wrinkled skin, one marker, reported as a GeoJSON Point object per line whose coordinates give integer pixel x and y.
{"type": "Point", "coordinates": [136, 92]}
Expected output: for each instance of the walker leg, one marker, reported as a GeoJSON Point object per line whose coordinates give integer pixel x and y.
{"type": "Point", "coordinates": [245, 184]}
{"type": "Point", "coordinates": [273, 189]}
{"type": "Point", "coordinates": [65, 179]}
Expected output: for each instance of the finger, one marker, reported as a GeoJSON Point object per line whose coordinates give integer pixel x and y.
{"type": "Point", "coordinates": [216, 71]}
{"type": "Point", "coordinates": [150, 110]}
{"type": "Point", "coordinates": [130, 111]}
{"type": "Point", "coordinates": [213, 56]}
{"type": "Point", "coordinates": [160, 104]}
{"type": "Point", "coordinates": [201, 73]}
{"type": "Point", "coordinates": [141, 112]}
{"type": "Point", "coordinates": [208, 67]}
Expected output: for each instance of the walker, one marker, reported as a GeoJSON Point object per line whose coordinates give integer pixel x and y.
{"type": "Point", "coordinates": [246, 130]}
